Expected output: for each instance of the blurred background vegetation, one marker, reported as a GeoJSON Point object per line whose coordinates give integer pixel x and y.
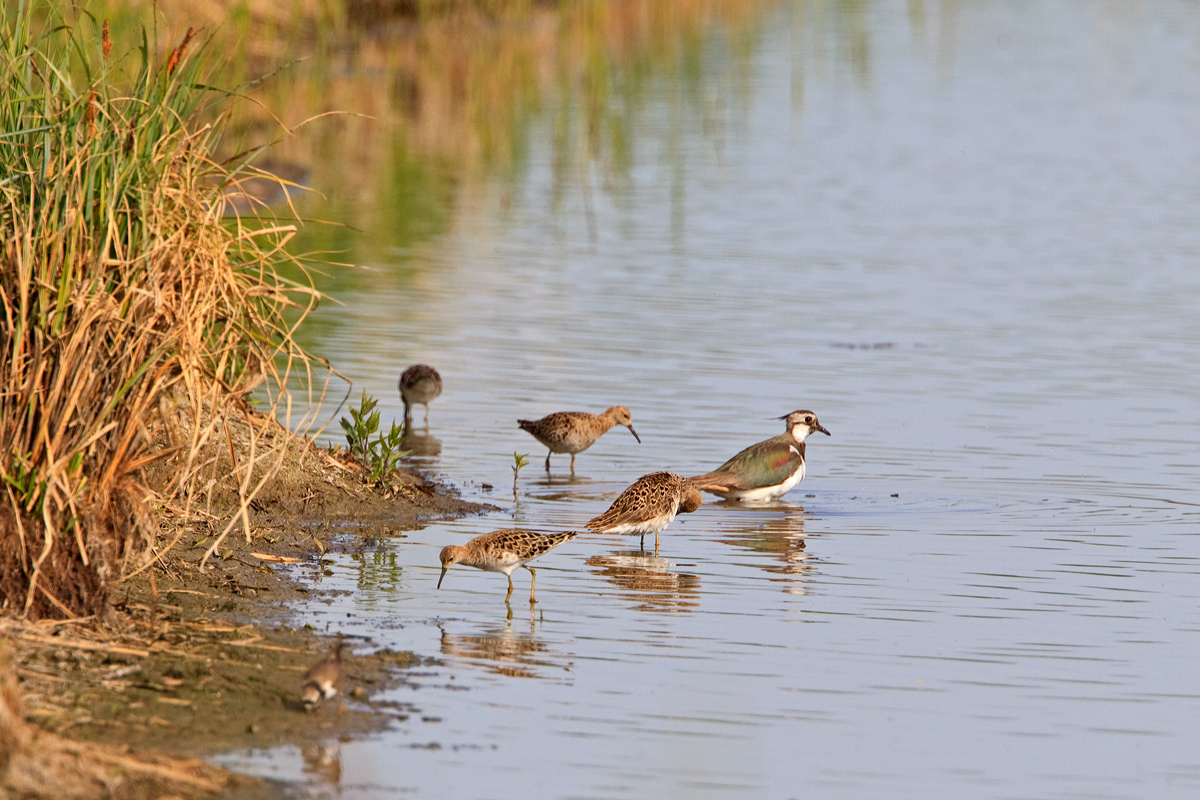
{"type": "Point", "coordinates": [390, 110]}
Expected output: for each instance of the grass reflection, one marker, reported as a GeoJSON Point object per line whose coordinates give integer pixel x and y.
{"type": "Point", "coordinates": [424, 116]}
{"type": "Point", "coordinates": [439, 95]}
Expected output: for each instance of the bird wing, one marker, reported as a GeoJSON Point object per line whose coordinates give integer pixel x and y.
{"type": "Point", "coordinates": [637, 504]}
{"type": "Point", "coordinates": [557, 419]}
{"type": "Point", "coordinates": [549, 541]}
{"type": "Point", "coordinates": [768, 463]}
{"type": "Point", "coordinates": [525, 544]}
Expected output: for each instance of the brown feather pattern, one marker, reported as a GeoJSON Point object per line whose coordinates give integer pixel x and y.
{"type": "Point", "coordinates": [648, 505]}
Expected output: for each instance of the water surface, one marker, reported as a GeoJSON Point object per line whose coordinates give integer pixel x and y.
{"type": "Point", "coordinates": [965, 235]}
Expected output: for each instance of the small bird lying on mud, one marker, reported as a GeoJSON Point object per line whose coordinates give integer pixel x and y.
{"type": "Point", "coordinates": [324, 680]}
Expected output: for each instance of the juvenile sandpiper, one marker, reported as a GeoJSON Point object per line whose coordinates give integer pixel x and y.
{"type": "Point", "coordinates": [503, 551]}
{"type": "Point", "coordinates": [767, 470]}
{"type": "Point", "coordinates": [420, 384]}
{"type": "Point", "coordinates": [575, 431]}
{"type": "Point", "coordinates": [324, 680]}
{"type": "Point", "coordinates": [648, 506]}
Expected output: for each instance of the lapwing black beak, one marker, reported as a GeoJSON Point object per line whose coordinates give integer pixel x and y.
{"type": "Point", "coordinates": [818, 427]}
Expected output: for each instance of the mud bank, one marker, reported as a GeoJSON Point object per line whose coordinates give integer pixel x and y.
{"type": "Point", "coordinates": [191, 661]}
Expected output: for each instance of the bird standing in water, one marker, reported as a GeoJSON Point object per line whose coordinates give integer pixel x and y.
{"type": "Point", "coordinates": [648, 506]}
{"type": "Point", "coordinates": [420, 384]}
{"type": "Point", "coordinates": [575, 431]}
{"type": "Point", "coordinates": [767, 470]}
{"type": "Point", "coordinates": [503, 551]}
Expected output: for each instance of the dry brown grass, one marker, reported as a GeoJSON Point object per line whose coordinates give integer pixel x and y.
{"type": "Point", "coordinates": [128, 302]}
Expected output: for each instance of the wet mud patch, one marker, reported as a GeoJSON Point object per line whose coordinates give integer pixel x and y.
{"type": "Point", "coordinates": [198, 687]}
{"type": "Point", "coordinates": [197, 659]}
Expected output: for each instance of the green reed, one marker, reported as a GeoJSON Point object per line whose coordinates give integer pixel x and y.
{"type": "Point", "coordinates": [135, 318]}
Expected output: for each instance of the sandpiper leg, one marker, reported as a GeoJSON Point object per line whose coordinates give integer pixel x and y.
{"type": "Point", "coordinates": [656, 543]}
{"type": "Point", "coordinates": [642, 544]}
{"type": "Point", "coordinates": [507, 596]}
{"type": "Point", "coordinates": [572, 463]}
{"type": "Point", "coordinates": [427, 415]}
{"type": "Point", "coordinates": [532, 584]}
{"type": "Point", "coordinates": [547, 462]}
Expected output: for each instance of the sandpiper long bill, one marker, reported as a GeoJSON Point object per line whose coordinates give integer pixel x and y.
{"type": "Point", "coordinates": [575, 431]}
{"type": "Point", "coordinates": [503, 551]}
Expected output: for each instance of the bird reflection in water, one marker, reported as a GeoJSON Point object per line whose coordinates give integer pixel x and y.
{"type": "Point", "coordinates": [779, 533]}
{"type": "Point", "coordinates": [649, 580]}
{"type": "Point", "coordinates": [420, 443]}
{"type": "Point", "coordinates": [503, 651]}
{"type": "Point", "coordinates": [324, 761]}
{"type": "Point", "coordinates": [554, 486]}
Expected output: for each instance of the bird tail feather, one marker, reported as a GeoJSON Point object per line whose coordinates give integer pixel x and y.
{"type": "Point", "coordinates": [709, 481]}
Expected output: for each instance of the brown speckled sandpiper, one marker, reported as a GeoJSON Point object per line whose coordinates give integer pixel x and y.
{"type": "Point", "coordinates": [766, 470]}
{"type": "Point", "coordinates": [324, 680]}
{"type": "Point", "coordinates": [420, 384]}
{"type": "Point", "coordinates": [503, 551]}
{"type": "Point", "coordinates": [575, 431]}
{"type": "Point", "coordinates": [648, 506]}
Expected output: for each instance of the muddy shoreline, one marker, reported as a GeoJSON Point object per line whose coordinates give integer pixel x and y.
{"type": "Point", "coordinates": [194, 661]}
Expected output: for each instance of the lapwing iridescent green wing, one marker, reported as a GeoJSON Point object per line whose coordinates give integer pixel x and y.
{"type": "Point", "coordinates": [767, 470]}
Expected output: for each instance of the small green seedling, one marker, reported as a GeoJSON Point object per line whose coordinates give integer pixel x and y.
{"type": "Point", "coordinates": [518, 462]}
{"type": "Point", "coordinates": [363, 423]}
{"type": "Point", "coordinates": [379, 455]}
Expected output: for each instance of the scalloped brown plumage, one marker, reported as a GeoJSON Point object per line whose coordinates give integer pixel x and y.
{"type": "Point", "coordinates": [575, 431]}
{"type": "Point", "coordinates": [503, 551]}
{"type": "Point", "coordinates": [648, 506]}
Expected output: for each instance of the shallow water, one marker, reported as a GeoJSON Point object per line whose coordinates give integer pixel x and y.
{"type": "Point", "coordinates": [964, 234]}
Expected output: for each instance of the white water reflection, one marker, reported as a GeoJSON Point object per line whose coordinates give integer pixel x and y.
{"type": "Point", "coordinates": [989, 583]}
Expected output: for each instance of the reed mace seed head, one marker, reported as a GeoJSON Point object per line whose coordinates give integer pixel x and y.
{"type": "Point", "coordinates": [177, 54]}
